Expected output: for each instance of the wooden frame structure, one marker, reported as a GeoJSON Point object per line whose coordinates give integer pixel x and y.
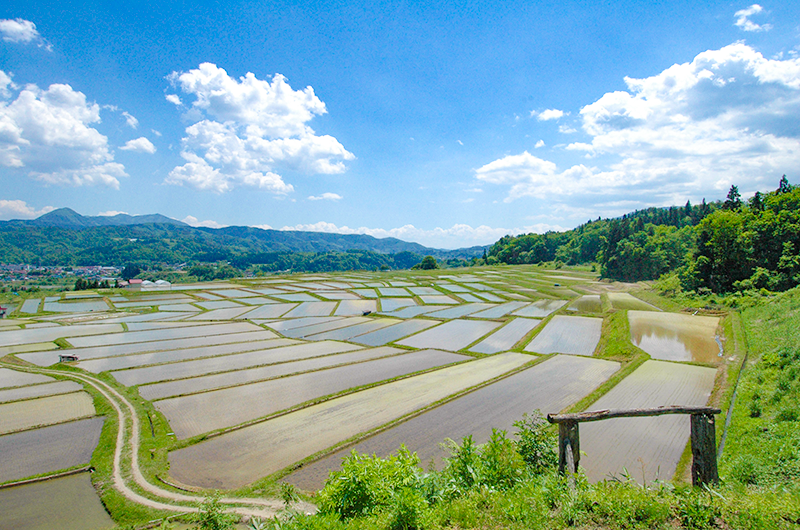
{"type": "Point", "coordinates": [703, 437]}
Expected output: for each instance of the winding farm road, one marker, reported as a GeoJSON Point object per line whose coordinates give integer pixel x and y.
{"type": "Point", "coordinates": [166, 500]}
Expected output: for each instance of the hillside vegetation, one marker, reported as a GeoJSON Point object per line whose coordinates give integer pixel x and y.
{"type": "Point", "coordinates": [720, 247]}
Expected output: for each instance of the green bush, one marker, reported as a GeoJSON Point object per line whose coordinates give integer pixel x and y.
{"type": "Point", "coordinates": [367, 483]}
{"type": "Point", "coordinates": [536, 445]}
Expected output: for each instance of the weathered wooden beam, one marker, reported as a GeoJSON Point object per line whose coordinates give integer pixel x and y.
{"type": "Point", "coordinates": [598, 415]}
{"type": "Point", "coordinates": [569, 447]}
{"type": "Point", "coordinates": [704, 450]}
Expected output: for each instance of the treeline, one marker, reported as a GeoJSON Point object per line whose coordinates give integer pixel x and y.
{"type": "Point", "coordinates": [724, 246]}
{"type": "Point", "coordinates": [210, 266]}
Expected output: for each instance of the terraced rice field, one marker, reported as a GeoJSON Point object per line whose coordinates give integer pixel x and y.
{"type": "Point", "coordinates": [31, 336]}
{"type": "Point", "coordinates": [245, 455]}
{"type": "Point", "coordinates": [676, 336]}
{"type": "Point", "coordinates": [393, 333]}
{"type": "Point", "coordinates": [648, 448]}
{"type": "Point", "coordinates": [453, 336]}
{"type": "Point", "coordinates": [48, 449]}
{"type": "Point", "coordinates": [68, 503]}
{"type": "Point", "coordinates": [588, 303]}
{"type": "Point", "coordinates": [20, 415]}
{"type": "Point", "coordinates": [506, 337]}
{"type": "Point", "coordinates": [207, 360]}
{"type": "Point", "coordinates": [223, 363]}
{"type": "Point", "coordinates": [572, 335]}
{"type": "Point", "coordinates": [549, 386]}
{"type": "Point", "coordinates": [13, 378]}
{"type": "Point", "coordinates": [226, 379]}
{"type": "Point", "coordinates": [628, 301]}
{"type": "Point", "coordinates": [209, 411]}
{"type": "Point", "coordinates": [47, 389]}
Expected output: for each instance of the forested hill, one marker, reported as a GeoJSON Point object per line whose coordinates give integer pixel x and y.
{"type": "Point", "coordinates": [724, 246]}
{"type": "Point", "coordinates": [64, 237]}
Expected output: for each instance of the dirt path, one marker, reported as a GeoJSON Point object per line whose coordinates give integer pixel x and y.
{"type": "Point", "coordinates": [165, 500]}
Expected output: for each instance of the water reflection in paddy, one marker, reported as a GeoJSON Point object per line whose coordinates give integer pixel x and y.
{"type": "Point", "coordinates": [675, 337]}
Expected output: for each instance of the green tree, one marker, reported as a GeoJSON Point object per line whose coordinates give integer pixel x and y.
{"type": "Point", "coordinates": [783, 185]}
{"type": "Point", "coordinates": [427, 263]}
{"type": "Point", "coordinates": [734, 200]}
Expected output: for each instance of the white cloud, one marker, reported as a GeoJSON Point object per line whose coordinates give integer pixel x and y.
{"type": "Point", "coordinates": [48, 133]}
{"type": "Point", "coordinates": [194, 221]}
{"type": "Point", "coordinates": [549, 114]}
{"type": "Point", "coordinates": [566, 129]}
{"type": "Point", "coordinates": [112, 213]}
{"type": "Point", "coordinates": [139, 145]}
{"type": "Point", "coordinates": [157, 133]}
{"type": "Point", "coordinates": [130, 120]}
{"type": "Point", "coordinates": [729, 116]}
{"type": "Point", "coordinates": [743, 19]}
{"type": "Point", "coordinates": [327, 196]}
{"type": "Point", "coordinates": [173, 98]}
{"type": "Point", "coordinates": [539, 144]}
{"type": "Point", "coordinates": [5, 84]}
{"type": "Point", "coordinates": [16, 209]}
{"type": "Point", "coordinates": [458, 236]}
{"type": "Point", "coordinates": [252, 129]}
{"type": "Point", "coordinates": [22, 31]}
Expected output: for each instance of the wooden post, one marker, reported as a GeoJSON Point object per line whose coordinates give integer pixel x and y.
{"type": "Point", "coordinates": [568, 439]}
{"type": "Point", "coordinates": [704, 450]}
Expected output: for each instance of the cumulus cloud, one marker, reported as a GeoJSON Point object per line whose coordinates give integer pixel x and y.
{"type": "Point", "coordinates": [729, 116]}
{"type": "Point", "coordinates": [173, 98]}
{"type": "Point", "coordinates": [539, 144]}
{"type": "Point", "coordinates": [327, 196]}
{"type": "Point", "coordinates": [549, 114]}
{"type": "Point", "coordinates": [48, 133]}
{"type": "Point", "coordinates": [16, 209]}
{"type": "Point", "coordinates": [459, 235]}
{"type": "Point", "coordinates": [139, 145]}
{"type": "Point", "coordinates": [194, 221]}
{"type": "Point", "coordinates": [743, 19]}
{"type": "Point", "coordinates": [250, 130]}
{"type": "Point", "coordinates": [112, 213]}
{"type": "Point", "coordinates": [22, 31]}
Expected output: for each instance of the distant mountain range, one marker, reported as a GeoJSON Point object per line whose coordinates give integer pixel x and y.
{"type": "Point", "coordinates": [66, 237]}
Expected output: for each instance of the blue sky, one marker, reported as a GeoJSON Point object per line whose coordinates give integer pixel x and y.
{"type": "Point", "coordinates": [446, 123]}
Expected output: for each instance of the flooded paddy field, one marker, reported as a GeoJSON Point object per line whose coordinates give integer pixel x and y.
{"type": "Point", "coordinates": [350, 332]}
{"type": "Point", "coordinates": [453, 335]}
{"type": "Point", "coordinates": [394, 332]}
{"type": "Point", "coordinates": [283, 350]}
{"type": "Point", "coordinates": [67, 503]}
{"type": "Point", "coordinates": [540, 308]}
{"type": "Point", "coordinates": [21, 415]}
{"type": "Point", "coordinates": [301, 332]}
{"type": "Point", "coordinates": [588, 303]}
{"type": "Point", "coordinates": [245, 455]}
{"type": "Point", "coordinates": [311, 309]}
{"type": "Point", "coordinates": [549, 386]}
{"type": "Point", "coordinates": [209, 411]}
{"type": "Point", "coordinates": [162, 334]}
{"type": "Point", "coordinates": [567, 334]}
{"type": "Point", "coordinates": [46, 389]}
{"type": "Point", "coordinates": [14, 378]}
{"type": "Point", "coordinates": [648, 448]}
{"type": "Point", "coordinates": [48, 449]}
{"type": "Point", "coordinates": [676, 336]}
{"type": "Point", "coordinates": [506, 337]}
{"type": "Point", "coordinates": [31, 336]}
{"type": "Point", "coordinates": [120, 362]}
{"type": "Point", "coordinates": [250, 375]}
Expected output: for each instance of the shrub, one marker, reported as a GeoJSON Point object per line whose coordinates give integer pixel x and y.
{"type": "Point", "coordinates": [367, 483]}
{"type": "Point", "coordinates": [536, 445]}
